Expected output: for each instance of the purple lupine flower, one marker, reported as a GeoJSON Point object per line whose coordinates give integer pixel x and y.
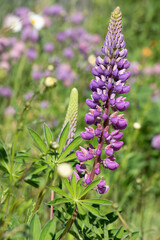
{"type": "Point", "coordinates": [48, 47]}
{"type": "Point", "coordinates": [109, 81]}
{"type": "Point", "coordinates": [156, 142]}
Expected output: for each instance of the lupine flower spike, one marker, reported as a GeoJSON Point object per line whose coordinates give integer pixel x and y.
{"type": "Point", "coordinates": [109, 81]}
{"type": "Point", "coordinates": [71, 116]}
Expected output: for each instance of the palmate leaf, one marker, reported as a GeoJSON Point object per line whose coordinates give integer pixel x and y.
{"type": "Point", "coordinates": [48, 134]}
{"type": "Point", "coordinates": [134, 236]}
{"type": "Point", "coordinates": [79, 187]}
{"type": "Point", "coordinates": [89, 187]}
{"type": "Point", "coordinates": [38, 141]}
{"type": "Point", "coordinates": [49, 230]}
{"type": "Point", "coordinates": [119, 234]}
{"type": "Point", "coordinates": [74, 184]}
{"type": "Point", "coordinates": [91, 209]}
{"type": "Point", "coordinates": [60, 191]}
{"type": "Point", "coordinates": [68, 186]}
{"type": "Point", "coordinates": [68, 158]}
{"type": "Point", "coordinates": [70, 148]}
{"type": "Point", "coordinates": [63, 138]}
{"type": "Point", "coordinates": [59, 201]}
{"type": "Point", "coordinates": [35, 228]}
{"type": "Point", "coordinates": [81, 209]}
{"type": "Point", "coordinates": [97, 201]}
{"type": "Point", "coordinates": [106, 236]}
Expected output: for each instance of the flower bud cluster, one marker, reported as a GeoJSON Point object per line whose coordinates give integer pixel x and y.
{"type": "Point", "coordinates": [109, 81]}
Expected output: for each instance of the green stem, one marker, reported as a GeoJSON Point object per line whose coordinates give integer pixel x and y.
{"type": "Point", "coordinates": [69, 223]}
{"type": "Point", "coordinates": [124, 224]}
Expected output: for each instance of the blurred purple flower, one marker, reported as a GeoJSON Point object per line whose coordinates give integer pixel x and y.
{"type": "Point", "coordinates": [54, 10]}
{"type": "Point", "coordinates": [5, 92]}
{"type": "Point", "coordinates": [5, 65]}
{"type": "Point", "coordinates": [68, 53]}
{"type": "Point", "coordinates": [156, 142]}
{"type": "Point", "coordinates": [135, 68]}
{"type": "Point", "coordinates": [4, 43]}
{"type": "Point", "coordinates": [84, 47]}
{"type": "Point", "coordinates": [48, 47]}
{"type": "Point", "coordinates": [77, 17]}
{"type": "Point", "coordinates": [148, 70]}
{"type": "Point", "coordinates": [31, 54]}
{"type": "Point", "coordinates": [10, 111]}
{"type": "Point", "coordinates": [47, 73]}
{"type": "Point", "coordinates": [44, 104]}
{"type": "Point", "coordinates": [29, 34]}
{"type": "Point", "coordinates": [156, 69]}
{"type": "Point", "coordinates": [36, 74]}
{"type": "Point", "coordinates": [65, 73]}
{"type": "Point", "coordinates": [28, 95]}
{"type": "Point", "coordinates": [21, 11]}
{"type": "Point", "coordinates": [61, 36]}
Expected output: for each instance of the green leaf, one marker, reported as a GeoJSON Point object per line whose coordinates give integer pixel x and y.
{"type": "Point", "coordinates": [134, 236]}
{"type": "Point", "coordinates": [35, 228]}
{"type": "Point", "coordinates": [89, 187]}
{"type": "Point", "coordinates": [97, 201]}
{"type": "Point", "coordinates": [79, 187]}
{"type": "Point", "coordinates": [59, 201]}
{"type": "Point", "coordinates": [91, 209]}
{"type": "Point", "coordinates": [74, 184]}
{"type": "Point", "coordinates": [32, 182]}
{"type": "Point", "coordinates": [49, 230]}
{"type": "Point", "coordinates": [36, 138]}
{"type": "Point", "coordinates": [63, 138]}
{"type": "Point", "coordinates": [106, 237]}
{"type": "Point", "coordinates": [119, 234]}
{"type": "Point", "coordinates": [71, 147]}
{"type": "Point", "coordinates": [58, 234]}
{"type": "Point", "coordinates": [48, 134]}
{"type": "Point", "coordinates": [39, 169]}
{"type": "Point", "coordinates": [81, 209]}
{"type": "Point", "coordinates": [68, 158]}
{"type": "Point", "coordinates": [60, 191]}
{"type": "Point", "coordinates": [68, 186]}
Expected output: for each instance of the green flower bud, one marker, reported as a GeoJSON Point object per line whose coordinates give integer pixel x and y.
{"type": "Point", "coordinates": [54, 145]}
{"type": "Point", "coordinates": [50, 82]}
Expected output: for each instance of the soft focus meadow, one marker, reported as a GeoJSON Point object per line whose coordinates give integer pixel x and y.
{"type": "Point", "coordinates": [48, 52]}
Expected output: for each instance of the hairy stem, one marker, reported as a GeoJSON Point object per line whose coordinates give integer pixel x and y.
{"type": "Point", "coordinates": [124, 224]}
{"type": "Point", "coordinates": [51, 210]}
{"type": "Point", "coordinates": [69, 223]}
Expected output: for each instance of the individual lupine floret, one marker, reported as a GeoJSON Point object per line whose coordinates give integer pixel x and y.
{"type": "Point", "coordinates": [105, 104]}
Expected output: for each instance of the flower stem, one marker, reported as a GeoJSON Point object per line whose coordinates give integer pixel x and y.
{"type": "Point", "coordinates": [102, 138]}
{"type": "Point", "coordinates": [69, 223]}
{"type": "Point", "coordinates": [124, 224]}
